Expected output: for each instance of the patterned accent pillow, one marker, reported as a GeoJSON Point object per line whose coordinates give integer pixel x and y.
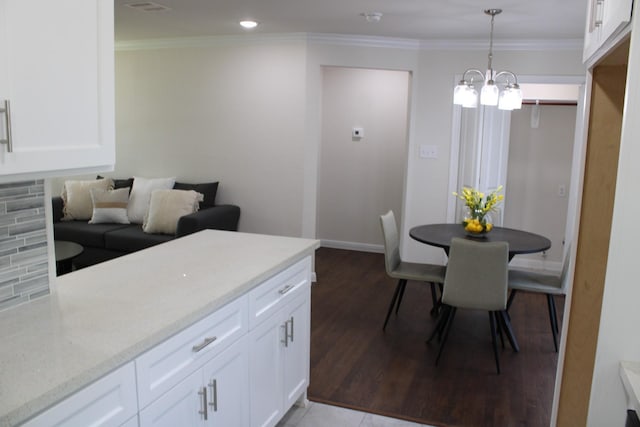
{"type": "Point", "coordinates": [166, 208]}
{"type": "Point", "coordinates": [76, 196]}
{"type": "Point", "coordinates": [110, 206]}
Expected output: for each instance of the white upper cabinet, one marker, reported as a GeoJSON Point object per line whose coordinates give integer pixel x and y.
{"type": "Point", "coordinates": [57, 79]}
{"type": "Point", "coordinates": [606, 20]}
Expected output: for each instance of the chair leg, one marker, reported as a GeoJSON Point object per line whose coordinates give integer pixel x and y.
{"type": "Point", "coordinates": [492, 323]}
{"type": "Point", "coordinates": [441, 322]}
{"type": "Point", "coordinates": [393, 302]}
{"type": "Point", "coordinates": [434, 299]}
{"type": "Point", "coordinates": [503, 317]}
{"type": "Point", "coordinates": [447, 327]}
{"type": "Point", "coordinates": [512, 296]}
{"type": "Point", "coordinates": [404, 286]}
{"type": "Point", "coordinates": [553, 319]}
{"type": "Point", "coordinates": [499, 329]}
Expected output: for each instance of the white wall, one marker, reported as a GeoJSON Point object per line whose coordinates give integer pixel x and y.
{"type": "Point", "coordinates": [361, 178]}
{"type": "Point", "coordinates": [248, 113]}
{"type": "Point", "coordinates": [228, 112]}
{"type": "Point", "coordinates": [539, 161]}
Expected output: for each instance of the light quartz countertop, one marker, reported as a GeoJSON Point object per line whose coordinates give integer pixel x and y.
{"type": "Point", "coordinates": [630, 375]}
{"type": "Point", "coordinates": [99, 318]}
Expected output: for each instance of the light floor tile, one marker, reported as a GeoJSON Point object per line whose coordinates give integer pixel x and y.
{"type": "Point", "coordinates": [295, 414]}
{"type": "Point", "coordinates": [371, 420]}
{"type": "Point", "coordinates": [321, 415]}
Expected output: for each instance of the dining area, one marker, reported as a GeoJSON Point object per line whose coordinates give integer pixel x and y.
{"type": "Point", "coordinates": [354, 364]}
{"type": "Point", "coordinates": [476, 276]}
{"type": "Point", "coordinates": [469, 341]}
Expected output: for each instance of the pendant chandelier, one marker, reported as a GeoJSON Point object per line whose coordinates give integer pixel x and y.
{"type": "Point", "coordinates": [510, 98]}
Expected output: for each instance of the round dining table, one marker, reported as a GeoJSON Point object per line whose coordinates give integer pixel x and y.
{"type": "Point", "coordinates": [520, 242]}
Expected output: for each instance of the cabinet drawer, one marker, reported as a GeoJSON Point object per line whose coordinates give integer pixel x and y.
{"type": "Point", "coordinates": [165, 365]}
{"type": "Point", "coordinates": [265, 299]}
{"type": "Point", "coordinates": [110, 401]}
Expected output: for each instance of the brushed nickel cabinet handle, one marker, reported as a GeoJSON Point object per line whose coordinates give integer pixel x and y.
{"type": "Point", "coordinates": [213, 385]}
{"type": "Point", "coordinates": [291, 336]}
{"type": "Point", "coordinates": [203, 344]}
{"type": "Point", "coordinates": [7, 121]}
{"type": "Point", "coordinates": [286, 334]}
{"type": "Point", "coordinates": [203, 410]}
{"type": "Point", "coordinates": [285, 289]}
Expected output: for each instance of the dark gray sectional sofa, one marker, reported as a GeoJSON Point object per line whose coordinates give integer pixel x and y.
{"type": "Point", "coordinates": [103, 242]}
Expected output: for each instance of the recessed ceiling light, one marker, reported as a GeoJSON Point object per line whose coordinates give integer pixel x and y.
{"type": "Point", "coordinates": [248, 24]}
{"type": "Point", "coordinates": [372, 16]}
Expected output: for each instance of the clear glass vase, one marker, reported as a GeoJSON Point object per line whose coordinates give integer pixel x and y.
{"type": "Point", "coordinates": [476, 223]}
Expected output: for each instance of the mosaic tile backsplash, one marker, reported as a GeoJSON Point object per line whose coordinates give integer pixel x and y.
{"type": "Point", "coordinates": [23, 243]}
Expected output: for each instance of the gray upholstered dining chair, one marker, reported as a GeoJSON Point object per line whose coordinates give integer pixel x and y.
{"type": "Point", "coordinates": [548, 284]}
{"type": "Point", "coordinates": [404, 271]}
{"type": "Point", "coordinates": [476, 278]}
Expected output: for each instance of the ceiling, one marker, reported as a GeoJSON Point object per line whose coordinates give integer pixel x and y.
{"type": "Point", "coordinates": [410, 19]}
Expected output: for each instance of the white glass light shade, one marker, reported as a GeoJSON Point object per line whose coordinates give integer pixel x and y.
{"type": "Point", "coordinates": [459, 93]}
{"type": "Point", "coordinates": [470, 98]}
{"type": "Point", "coordinates": [489, 94]}
{"type": "Point", "coordinates": [517, 97]}
{"type": "Point", "coordinates": [503, 101]}
{"type": "Point", "coordinates": [510, 99]}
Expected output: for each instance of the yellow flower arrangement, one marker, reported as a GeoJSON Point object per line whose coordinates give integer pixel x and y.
{"type": "Point", "coordinates": [479, 206]}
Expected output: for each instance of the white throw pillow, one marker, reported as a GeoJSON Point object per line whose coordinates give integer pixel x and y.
{"type": "Point", "coordinates": [167, 206]}
{"type": "Point", "coordinates": [141, 195]}
{"type": "Point", "coordinates": [76, 196]}
{"type": "Point", "coordinates": [110, 206]}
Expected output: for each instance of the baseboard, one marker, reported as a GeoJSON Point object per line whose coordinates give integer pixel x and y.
{"type": "Point", "coordinates": [352, 246]}
{"type": "Point", "coordinates": [535, 264]}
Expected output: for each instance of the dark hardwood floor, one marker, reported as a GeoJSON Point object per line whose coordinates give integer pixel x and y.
{"type": "Point", "coordinates": [355, 364]}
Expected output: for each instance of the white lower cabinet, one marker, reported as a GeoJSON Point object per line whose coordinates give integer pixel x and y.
{"type": "Point", "coordinates": [243, 365]}
{"type": "Point", "coordinates": [110, 401]}
{"type": "Point", "coordinates": [214, 395]}
{"type": "Point", "coordinates": [279, 361]}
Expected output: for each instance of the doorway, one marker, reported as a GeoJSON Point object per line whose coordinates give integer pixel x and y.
{"type": "Point", "coordinates": [363, 154]}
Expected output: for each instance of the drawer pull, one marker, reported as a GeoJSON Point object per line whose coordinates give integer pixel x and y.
{"type": "Point", "coordinates": [203, 344]}
{"type": "Point", "coordinates": [203, 410]}
{"type": "Point", "coordinates": [285, 289]}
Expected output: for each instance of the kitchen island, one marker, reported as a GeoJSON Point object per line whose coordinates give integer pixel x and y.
{"type": "Point", "coordinates": [102, 318]}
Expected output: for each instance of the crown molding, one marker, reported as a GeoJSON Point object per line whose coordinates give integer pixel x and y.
{"type": "Point", "coordinates": [351, 40]}
{"type": "Point", "coordinates": [205, 41]}
{"type": "Point", "coordinates": [504, 45]}
{"type": "Point", "coordinates": [363, 41]}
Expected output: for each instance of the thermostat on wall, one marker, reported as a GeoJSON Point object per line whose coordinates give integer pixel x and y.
{"type": "Point", "coordinates": [357, 132]}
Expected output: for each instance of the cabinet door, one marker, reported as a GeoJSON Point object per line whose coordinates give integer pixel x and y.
{"type": "Point", "coordinates": [617, 14]}
{"type": "Point", "coordinates": [183, 405]}
{"type": "Point", "coordinates": [265, 371]}
{"type": "Point", "coordinates": [57, 72]}
{"type": "Point", "coordinates": [227, 382]}
{"type": "Point", "coordinates": [296, 351]}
